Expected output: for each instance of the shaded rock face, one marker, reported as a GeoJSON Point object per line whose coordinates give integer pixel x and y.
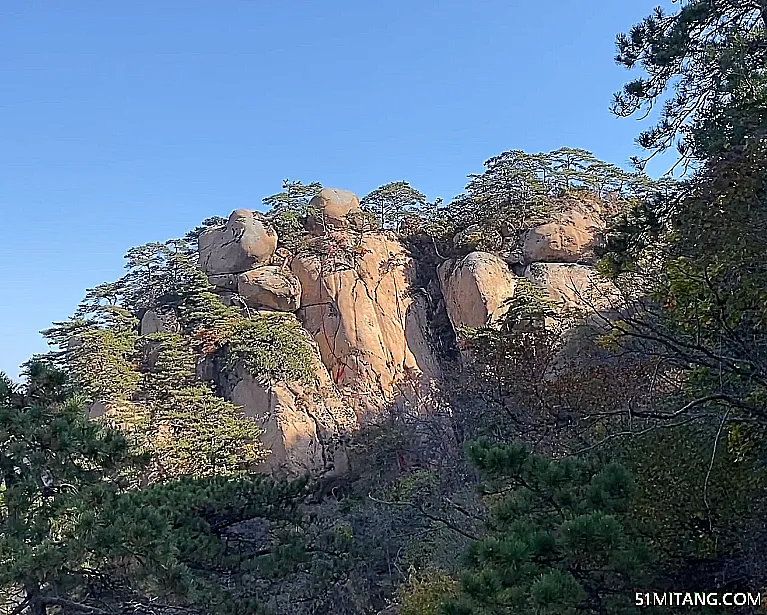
{"type": "Point", "coordinates": [304, 425]}
{"type": "Point", "coordinates": [560, 259]}
{"type": "Point", "coordinates": [224, 282]}
{"type": "Point", "coordinates": [570, 239]}
{"type": "Point", "coordinates": [243, 243]}
{"type": "Point", "coordinates": [270, 287]}
{"type": "Point", "coordinates": [359, 306]}
{"type": "Point", "coordinates": [158, 322]}
{"type": "Point", "coordinates": [476, 289]}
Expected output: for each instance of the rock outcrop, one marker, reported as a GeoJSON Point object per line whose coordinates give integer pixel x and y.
{"type": "Point", "coordinates": [305, 425]}
{"type": "Point", "coordinates": [246, 241]}
{"type": "Point", "coordinates": [154, 321]}
{"type": "Point", "coordinates": [573, 286]}
{"type": "Point", "coordinates": [332, 209]}
{"type": "Point", "coordinates": [358, 304]}
{"type": "Point", "coordinates": [571, 238]}
{"type": "Point", "coordinates": [476, 289]}
{"type": "Point", "coordinates": [355, 292]}
{"type": "Point", "coordinates": [270, 287]}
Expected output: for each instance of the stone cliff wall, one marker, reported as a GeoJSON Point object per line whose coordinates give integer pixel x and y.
{"type": "Point", "coordinates": [360, 306]}
{"type": "Point", "coordinates": [354, 291]}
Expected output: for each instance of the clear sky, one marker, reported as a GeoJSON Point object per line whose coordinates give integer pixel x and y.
{"type": "Point", "coordinates": [128, 122]}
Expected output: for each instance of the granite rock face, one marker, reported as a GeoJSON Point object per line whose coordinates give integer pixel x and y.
{"type": "Point", "coordinates": [371, 328]}
{"type": "Point", "coordinates": [569, 239]}
{"type": "Point", "coordinates": [360, 297]}
{"type": "Point", "coordinates": [571, 285]}
{"type": "Point", "coordinates": [304, 424]}
{"type": "Point", "coordinates": [333, 209]}
{"type": "Point", "coordinates": [270, 287]}
{"type": "Point", "coordinates": [246, 241]}
{"type": "Point", "coordinates": [476, 289]}
{"type": "Point", "coordinates": [154, 321]}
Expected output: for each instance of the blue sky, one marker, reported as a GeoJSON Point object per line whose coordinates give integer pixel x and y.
{"type": "Point", "coordinates": [128, 122]}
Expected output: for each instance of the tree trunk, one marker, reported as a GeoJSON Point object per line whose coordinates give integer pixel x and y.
{"type": "Point", "coordinates": [36, 605]}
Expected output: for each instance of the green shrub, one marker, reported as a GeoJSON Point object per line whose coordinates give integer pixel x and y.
{"type": "Point", "coordinates": [271, 346]}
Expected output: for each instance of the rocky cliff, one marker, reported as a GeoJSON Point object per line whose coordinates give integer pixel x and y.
{"type": "Point", "coordinates": [355, 291]}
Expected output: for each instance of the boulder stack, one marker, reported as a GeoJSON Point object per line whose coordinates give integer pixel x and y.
{"type": "Point", "coordinates": [246, 241]}
{"type": "Point", "coordinates": [237, 259]}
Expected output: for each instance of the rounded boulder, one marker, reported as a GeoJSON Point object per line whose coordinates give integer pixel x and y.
{"type": "Point", "coordinates": [244, 242]}
{"type": "Point", "coordinates": [270, 287]}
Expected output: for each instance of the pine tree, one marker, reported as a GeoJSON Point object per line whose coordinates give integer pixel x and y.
{"type": "Point", "coordinates": [392, 201]}
{"type": "Point", "coordinates": [149, 385]}
{"type": "Point", "coordinates": [188, 429]}
{"type": "Point", "coordinates": [706, 62]}
{"type": "Point", "coordinates": [518, 190]}
{"type": "Point", "coordinates": [556, 540]}
{"type": "Point", "coordinates": [508, 191]}
{"type": "Point", "coordinates": [76, 538]}
{"type": "Point", "coordinates": [288, 208]}
{"type": "Point", "coordinates": [57, 470]}
{"type": "Point", "coordinates": [697, 251]}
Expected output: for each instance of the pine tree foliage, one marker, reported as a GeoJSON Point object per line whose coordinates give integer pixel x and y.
{"type": "Point", "coordinates": [57, 470]}
{"type": "Point", "coordinates": [272, 346]}
{"type": "Point", "coordinates": [190, 430]}
{"type": "Point", "coordinates": [697, 253]}
{"type": "Point", "coordinates": [104, 362]}
{"type": "Point", "coordinates": [77, 537]}
{"type": "Point", "coordinates": [391, 202]}
{"type": "Point", "coordinates": [706, 62]}
{"type": "Point", "coordinates": [150, 385]}
{"type": "Point", "coordinates": [521, 190]}
{"type": "Point", "coordinates": [556, 540]}
{"type": "Point", "coordinates": [696, 257]}
{"type": "Point", "coordinates": [287, 209]}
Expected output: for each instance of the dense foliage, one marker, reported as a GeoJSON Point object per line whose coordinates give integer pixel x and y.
{"type": "Point", "coordinates": [520, 190]}
{"type": "Point", "coordinates": [288, 208]}
{"type": "Point", "coordinates": [556, 540]}
{"type": "Point", "coordinates": [391, 202]}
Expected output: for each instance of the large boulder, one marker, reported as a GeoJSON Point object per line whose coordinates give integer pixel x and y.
{"type": "Point", "coordinates": [333, 208]}
{"type": "Point", "coordinates": [571, 238]}
{"type": "Point", "coordinates": [246, 241]}
{"type": "Point", "coordinates": [359, 304]}
{"type": "Point", "coordinates": [224, 282]}
{"type": "Point", "coordinates": [270, 287]}
{"type": "Point", "coordinates": [476, 289]}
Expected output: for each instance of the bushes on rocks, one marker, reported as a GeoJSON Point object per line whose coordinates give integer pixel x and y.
{"type": "Point", "coordinates": [271, 346]}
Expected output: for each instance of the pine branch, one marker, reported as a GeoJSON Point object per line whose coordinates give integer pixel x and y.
{"type": "Point", "coordinates": [78, 606]}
